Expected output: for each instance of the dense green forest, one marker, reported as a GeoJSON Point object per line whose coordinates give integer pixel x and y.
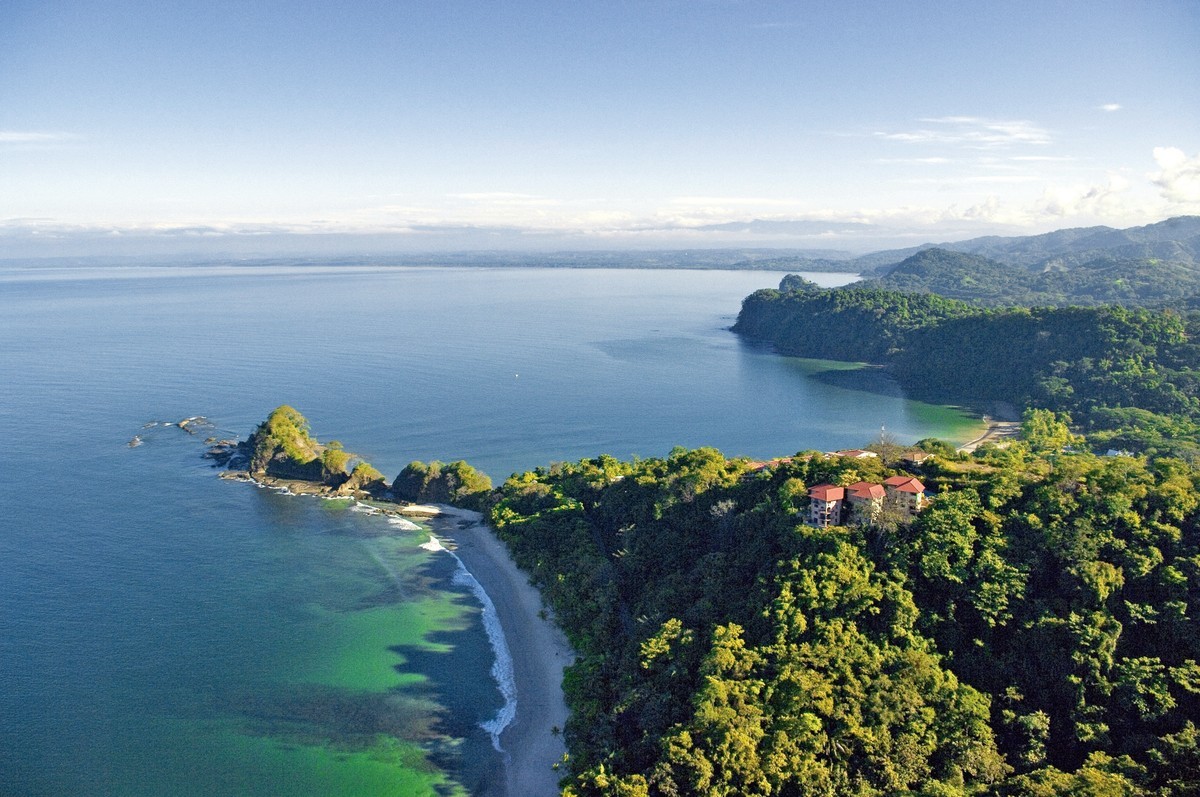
{"type": "Point", "coordinates": [1128, 378]}
{"type": "Point", "coordinates": [1157, 265]}
{"type": "Point", "coordinates": [439, 483]}
{"type": "Point", "coordinates": [283, 447]}
{"type": "Point", "coordinates": [1033, 632]}
{"type": "Point", "coordinates": [1105, 279]}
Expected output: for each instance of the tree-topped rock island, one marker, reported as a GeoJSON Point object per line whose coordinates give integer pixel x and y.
{"type": "Point", "coordinates": [282, 452]}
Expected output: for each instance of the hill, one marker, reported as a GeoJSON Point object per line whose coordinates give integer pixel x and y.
{"type": "Point", "coordinates": [1031, 632]}
{"type": "Point", "coordinates": [1128, 377]}
{"type": "Point", "coordinates": [1104, 279]}
{"type": "Point", "coordinates": [1157, 265]}
{"type": "Point", "coordinates": [1174, 240]}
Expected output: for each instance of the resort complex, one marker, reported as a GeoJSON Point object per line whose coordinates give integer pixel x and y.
{"type": "Point", "coordinates": [861, 503]}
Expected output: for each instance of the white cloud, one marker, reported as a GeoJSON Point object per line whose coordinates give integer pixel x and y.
{"type": "Point", "coordinates": [1179, 175]}
{"type": "Point", "coordinates": [1110, 107]}
{"type": "Point", "coordinates": [934, 161]}
{"type": "Point", "coordinates": [973, 179]}
{"type": "Point", "coordinates": [991, 197]}
{"type": "Point", "coordinates": [1042, 158]}
{"type": "Point", "coordinates": [1105, 200]}
{"type": "Point", "coordinates": [33, 137]}
{"type": "Point", "coordinates": [973, 132]}
{"type": "Point", "coordinates": [740, 201]}
{"type": "Point", "coordinates": [500, 196]}
{"type": "Point", "coordinates": [990, 211]}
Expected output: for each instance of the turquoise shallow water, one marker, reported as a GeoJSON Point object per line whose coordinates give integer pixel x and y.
{"type": "Point", "coordinates": [165, 632]}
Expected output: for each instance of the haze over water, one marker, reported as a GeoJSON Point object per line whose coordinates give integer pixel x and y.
{"type": "Point", "coordinates": [163, 631]}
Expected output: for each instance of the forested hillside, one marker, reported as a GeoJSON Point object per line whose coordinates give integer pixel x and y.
{"type": "Point", "coordinates": [1157, 265]}
{"type": "Point", "coordinates": [1175, 240]}
{"type": "Point", "coordinates": [1103, 279]}
{"type": "Point", "coordinates": [1033, 632]}
{"type": "Point", "coordinates": [1129, 378]}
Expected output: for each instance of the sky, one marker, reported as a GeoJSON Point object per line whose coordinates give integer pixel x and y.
{"type": "Point", "coordinates": [132, 127]}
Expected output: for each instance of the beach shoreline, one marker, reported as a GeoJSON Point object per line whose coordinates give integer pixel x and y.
{"type": "Point", "coordinates": [1000, 425]}
{"type": "Point", "coordinates": [532, 743]}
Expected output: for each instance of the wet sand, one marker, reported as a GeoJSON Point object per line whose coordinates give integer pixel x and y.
{"type": "Point", "coordinates": [539, 651]}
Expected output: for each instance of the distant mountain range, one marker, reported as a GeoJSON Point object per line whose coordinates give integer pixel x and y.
{"type": "Point", "coordinates": [1158, 264]}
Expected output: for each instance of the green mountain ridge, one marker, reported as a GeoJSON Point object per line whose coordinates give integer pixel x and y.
{"type": "Point", "coordinates": [1160, 261]}
{"type": "Point", "coordinates": [1176, 239]}
{"type": "Point", "coordinates": [1103, 279]}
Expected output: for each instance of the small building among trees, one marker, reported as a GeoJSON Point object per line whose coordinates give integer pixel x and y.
{"type": "Point", "coordinates": [866, 501]}
{"type": "Point", "coordinates": [826, 505]}
{"type": "Point", "coordinates": [906, 492]}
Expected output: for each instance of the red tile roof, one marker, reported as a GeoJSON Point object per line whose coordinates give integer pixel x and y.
{"type": "Point", "coordinates": [827, 492]}
{"type": "Point", "coordinates": [866, 490]}
{"type": "Point", "coordinates": [905, 484]}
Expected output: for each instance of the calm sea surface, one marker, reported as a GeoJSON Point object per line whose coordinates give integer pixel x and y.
{"type": "Point", "coordinates": [165, 632]}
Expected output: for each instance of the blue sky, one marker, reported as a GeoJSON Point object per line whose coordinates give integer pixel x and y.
{"type": "Point", "coordinates": [592, 124]}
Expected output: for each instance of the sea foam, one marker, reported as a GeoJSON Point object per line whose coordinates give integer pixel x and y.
{"type": "Point", "coordinates": [502, 667]}
{"type": "Point", "coordinates": [401, 523]}
{"type": "Point", "coordinates": [434, 544]}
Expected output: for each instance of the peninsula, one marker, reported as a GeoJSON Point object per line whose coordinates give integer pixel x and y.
{"type": "Point", "coordinates": [1123, 376]}
{"type": "Point", "coordinates": [1029, 628]}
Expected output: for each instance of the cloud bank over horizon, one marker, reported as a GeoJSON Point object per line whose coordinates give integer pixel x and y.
{"type": "Point", "coordinates": [512, 220]}
{"type": "Point", "coordinates": [587, 126]}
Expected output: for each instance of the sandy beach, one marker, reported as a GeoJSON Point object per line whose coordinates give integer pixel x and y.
{"type": "Point", "coordinates": [539, 653]}
{"type": "Point", "coordinates": [1003, 423]}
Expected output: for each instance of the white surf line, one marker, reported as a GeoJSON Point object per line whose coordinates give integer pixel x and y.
{"type": "Point", "coordinates": [406, 525]}
{"type": "Point", "coordinates": [502, 667]}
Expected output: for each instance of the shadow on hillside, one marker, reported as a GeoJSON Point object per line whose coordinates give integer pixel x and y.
{"type": "Point", "coordinates": [876, 379]}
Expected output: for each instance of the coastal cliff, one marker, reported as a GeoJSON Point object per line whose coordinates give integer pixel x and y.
{"type": "Point", "coordinates": [282, 447]}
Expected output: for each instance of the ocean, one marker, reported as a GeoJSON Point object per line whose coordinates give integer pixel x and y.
{"type": "Point", "coordinates": [163, 631]}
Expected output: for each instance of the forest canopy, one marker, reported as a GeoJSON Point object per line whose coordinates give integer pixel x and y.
{"type": "Point", "coordinates": [1127, 377]}
{"type": "Point", "coordinates": [1032, 632]}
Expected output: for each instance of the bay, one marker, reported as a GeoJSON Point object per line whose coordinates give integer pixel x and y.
{"type": "Point", "coordinates": [162, 631]}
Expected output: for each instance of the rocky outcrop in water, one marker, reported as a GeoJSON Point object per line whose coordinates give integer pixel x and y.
{"type": "Point", "coordinates": [283, 448]}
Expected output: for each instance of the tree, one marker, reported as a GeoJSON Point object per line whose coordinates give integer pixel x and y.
{"type": "Point", "coordinates": [887, 446]}
{"type": "Point", "coordinates": [1046, 431]}
{"type": "Point", "coordinates": [1175, 763]}
{"type": "Point", "coordinates": [457, 483]}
